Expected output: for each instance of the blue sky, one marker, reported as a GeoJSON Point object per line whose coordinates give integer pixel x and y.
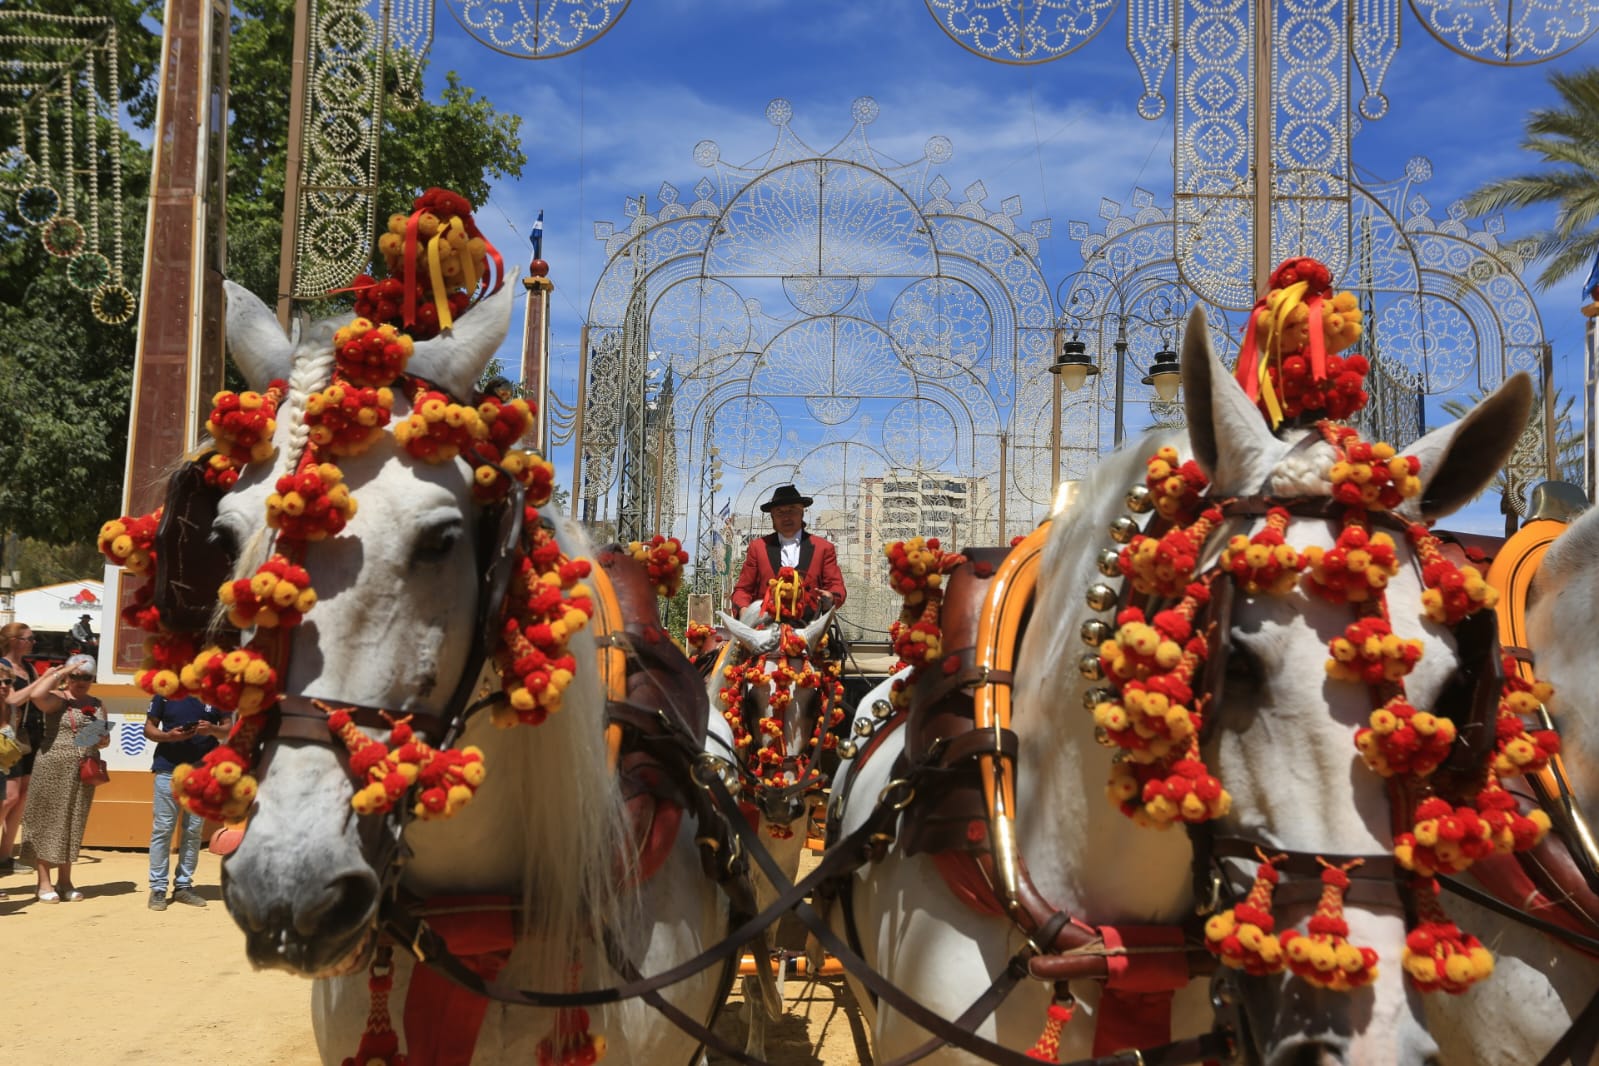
{"type": "Point", "coordinates": [622, 116]}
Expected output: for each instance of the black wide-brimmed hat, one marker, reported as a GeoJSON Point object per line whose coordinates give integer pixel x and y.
{"type": "Point", "coordinates": [786, 494]}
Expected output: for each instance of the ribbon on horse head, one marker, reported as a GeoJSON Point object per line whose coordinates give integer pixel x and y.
{"type": "Point", "coordinates": [1284, 364]}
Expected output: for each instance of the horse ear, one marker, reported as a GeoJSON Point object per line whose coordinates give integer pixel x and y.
{"type": "Point", "coordinates": [1230, 440]}
{"type": "Point", "coordinates": [813, 632]}
{"type": "Point", "coordinates": [1458, 461]}
{"type": "Point", "coordinates": [454, 360]}
{"type": "Point", "coordinates": [255, 340]}
{"type": "Point", "coordinates": [754, 640]}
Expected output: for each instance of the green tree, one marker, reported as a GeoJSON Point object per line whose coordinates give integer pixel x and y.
{"type": "Point", "coordinates": [1566, 141]}
{"type": "Point", "coordinates": [65, 377]}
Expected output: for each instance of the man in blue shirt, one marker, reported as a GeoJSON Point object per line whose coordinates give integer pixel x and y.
{"type": "Point", "coordinates": [184, 730]}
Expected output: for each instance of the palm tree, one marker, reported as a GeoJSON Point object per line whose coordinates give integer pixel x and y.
{"type": "Point", "coordinates": [1566, 139]}
{"type": "Point", "coordinates": [1517, 478]}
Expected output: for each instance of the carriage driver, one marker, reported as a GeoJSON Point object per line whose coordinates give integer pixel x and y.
{"type": "Point", "coordinates": [788, 545]}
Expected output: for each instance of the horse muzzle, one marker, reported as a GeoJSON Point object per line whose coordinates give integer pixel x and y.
{"type": "Point", "coordinates": [316, 930]}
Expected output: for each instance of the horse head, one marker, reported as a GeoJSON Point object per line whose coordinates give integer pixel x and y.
{"type": "Point", "coordinates": [783, 700]}
{"type": "Point", "coordinates": [405, 618]}
{"type": "Point", "coordinates": [1562, 616]}
{"type": "Point", "coordinates": [1286, 722]}
{"type": "Point", "coordinates": [1229, 720]}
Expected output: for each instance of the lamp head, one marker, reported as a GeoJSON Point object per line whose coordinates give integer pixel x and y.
{"type": "Point", "coordinates": [1072, 362]}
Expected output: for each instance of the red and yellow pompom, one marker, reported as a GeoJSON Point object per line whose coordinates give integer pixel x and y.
{"type": "Point", "coordinates": [1399, 739]}
{"type": "Point", "coordinates": [1175, 487]}
{"type": "Point", "coordinates": [439, 429]}
{"type": "Point", "coordinates": [347, 419]}
{"type": "Point", "coordinates": [220, 788]}
{"type": "Point", "coordinates": [1323, 954]}
{"type": "Point", "coordinates": [1452, 592]}
{"type": "Point", "coordinates": [165, 656]}
{"type": "Point", "coordinates": [663, 559]}
{"type": "Point", "coordinates": [1369, 652]}
{"type": "Point", "coordinates": [1355, 568]}
{"type": "Point", "coordinates": [1264, 563]}
{"type": "Point", "coordinates": [369, 355]}
{"type": "Point", "coordinates": [1164, 567]}
{"type": "Point", "coordinates": [1244, 936]}
{"type": "Point", "coordinates": [1370, 476]}
{"type": "Point", "coordinates": [1438, 956]}
{"type": "Point", "coordinates": [129, 541]}
{"type": "Point", "coordinates": [239, 680]}
{"type": "Point", "coordinates": [545, 607]}
{"type": "Point", "coordinates": [311, 505]}
{"type": "Point", "coordinates": [242, 423]}
{"type": "Point", "coordinates": [278, 594]}
{"type": "Point", "coordinates": [1445, 840]}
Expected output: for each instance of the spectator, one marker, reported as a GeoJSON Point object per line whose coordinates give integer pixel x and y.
{"type": "Point", "coordinates": [184, 730]}
{"type": "Point", "coordinates": [16, 643]}
{"type": "Point", "coordinates": [59, 799]}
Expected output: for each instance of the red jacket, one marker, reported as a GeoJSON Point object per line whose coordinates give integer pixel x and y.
{"type": "Point", "coordinates": [818, 561]}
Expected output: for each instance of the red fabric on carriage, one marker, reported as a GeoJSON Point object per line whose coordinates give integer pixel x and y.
{"type": "Point", "coordinates": [1135, 1007]}
{"type": "Point", "coordinates": [442, 1019]}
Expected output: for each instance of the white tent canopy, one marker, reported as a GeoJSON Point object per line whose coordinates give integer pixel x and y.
{"type": "Point", "coordinates": [54, 608]}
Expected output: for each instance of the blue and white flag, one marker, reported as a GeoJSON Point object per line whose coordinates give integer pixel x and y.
{"type": "Point", "coordinates": [537, 236]}
{"type": "Point", "coordinates": [1593, 279]}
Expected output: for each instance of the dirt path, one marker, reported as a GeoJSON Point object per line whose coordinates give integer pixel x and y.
{"type": "Point", "coordinates": [108, 980]}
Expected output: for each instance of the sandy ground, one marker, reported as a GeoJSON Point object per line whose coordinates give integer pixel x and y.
{"type": "Point", "coordinates": [108, 980]}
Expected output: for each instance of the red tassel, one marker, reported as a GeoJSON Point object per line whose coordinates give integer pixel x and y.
{"type": "Point", "coordinates": [1047, 1047]}
{"type": "Point", "coordinates": [1324, 956]}
{"type": "Point", "coordinates": [380, 1044]}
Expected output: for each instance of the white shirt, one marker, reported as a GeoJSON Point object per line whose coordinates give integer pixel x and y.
{"type": "Point", "coordinates": [788, 551]}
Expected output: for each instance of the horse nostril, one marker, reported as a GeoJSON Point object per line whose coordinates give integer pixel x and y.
{"type": "Point", "coordinates": [346, 904]}
{"type": "Point", "coordinates": [1317, 1055]}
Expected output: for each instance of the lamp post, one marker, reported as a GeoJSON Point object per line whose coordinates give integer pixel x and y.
{"type": "Point", "coordinates": [1088, 293]}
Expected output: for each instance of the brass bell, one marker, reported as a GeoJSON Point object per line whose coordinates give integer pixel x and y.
{"type": "Point", "coordinates": [1095, 696]}
{"type": "Point", "coordinates": [1124, 529]}
{"type": "Point", "coordinates": [863, 728]}
{"type": "Point", "coordinates": [847, 750]}
{"type": "Point", "coordinates": [1138, 499]}
{"type": "Point", "coordinates": [1101, 597]}
{"type": "Point", "coordinates": [881, 709]}
{"type": "Point", "coordinates": [1109, 562]}
{"type": "Point", "coordinates": [1090, 667]}
{"type": "Point", "coordinates": [1095, 632]}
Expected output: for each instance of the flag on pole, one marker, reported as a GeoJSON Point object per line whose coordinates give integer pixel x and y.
{"type": "Point", "coordinates": [1593, 279]}
{"type": "Point", "coordinates": [537, 236]}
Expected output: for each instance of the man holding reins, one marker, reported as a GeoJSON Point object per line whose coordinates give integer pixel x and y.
{"type": "Point", "coordinates": [789, 545]}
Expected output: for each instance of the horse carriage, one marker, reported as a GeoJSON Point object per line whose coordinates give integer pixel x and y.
{"type": "Point", "coordinates": [516, 825]}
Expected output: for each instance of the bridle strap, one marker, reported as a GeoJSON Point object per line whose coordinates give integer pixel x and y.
{"type": "Point", "coordinates": [1213, 1044]}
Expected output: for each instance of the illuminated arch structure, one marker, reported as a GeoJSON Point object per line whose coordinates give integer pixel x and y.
{"type": "Point", "coordinates": [1448, 311]}
{"type": "Point", "coordinates": [833, 319]}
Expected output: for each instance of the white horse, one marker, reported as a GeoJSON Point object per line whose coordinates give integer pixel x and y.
{"type": "Point", "coordinates": [1539, 985]}
{"type": "Point", "coordinates": [549, 829]}
{"type": "Point", "coordinates": [1282, 744]}
{"type": "Point", "coordinates": [779, 802]}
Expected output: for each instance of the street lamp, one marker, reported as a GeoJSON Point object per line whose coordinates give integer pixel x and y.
{"type": "Point", "coordinates": [1094, 294]}
{"type": "Point", "coordinates": [1165, 375]}
{"type": "Point", "coordinates": [1071, 368]}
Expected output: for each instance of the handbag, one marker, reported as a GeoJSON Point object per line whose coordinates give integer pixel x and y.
{"type": "Point", "coordinates": [92, 771]}
{"type": "Point", "coordinates": [10, 751]}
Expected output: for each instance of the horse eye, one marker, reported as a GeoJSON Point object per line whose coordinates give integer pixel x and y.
{"type": "Point", "coordinates": [223, 538]}
{"type": "Point", "coordinates": [434, 543]}
{"type": "Point", "coordinates": [1243, 666]}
